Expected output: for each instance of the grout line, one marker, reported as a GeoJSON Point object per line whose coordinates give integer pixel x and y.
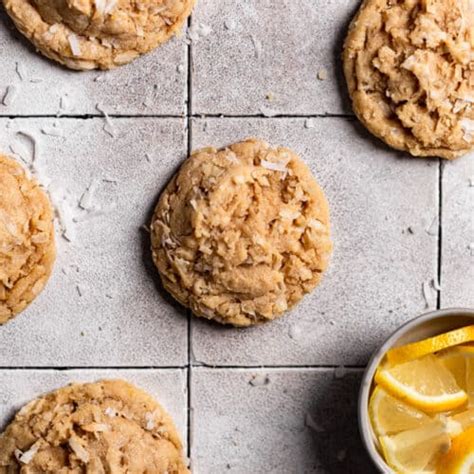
{"type": "Point", "coordinates": [188, 115]}
{"type": "Point", "coordinates": [189, 327]}
{"type": "Point", "coordinates": [189, 366]}
{"type": "Point", "coordinates": [440, 229]}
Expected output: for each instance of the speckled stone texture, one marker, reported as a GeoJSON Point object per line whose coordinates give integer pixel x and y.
{"type": "Point", "coordinates": [102, 306]}
{"type": "Point", "coordinates": [168, 387]}
{"type": "Point", "coordinates": [270, 57]}
{"type": "Point", "coordinates": [385, 225]}
{"type": "Point", "coordinates": [375, 277]}
{"type": "Point", "coordinates": [153, 84]}
{"type": "Point", "coordinates": [457, 277]}
{"type": "Point", "coordinates": [278, 421]}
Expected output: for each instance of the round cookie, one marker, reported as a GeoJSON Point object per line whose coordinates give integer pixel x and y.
{"type": "Point", "coordinates": [409, 66]}
{"type": "Point", "coordinates": [27, 248]}
{"type": "Point", "coordinates": [108, 426]}
{"type": "Point", "coordinates": [241, 234]}
{"type": "Point", "coordinates": [97, 34]}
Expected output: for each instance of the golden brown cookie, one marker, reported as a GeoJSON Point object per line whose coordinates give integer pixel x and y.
{"type": "Point", "coordinates": [241, 234]}
{"type": "Point", "coordinates": [27, 248]}
{"type": "Point", "coordinates": [97, 34]}
{"type": "Point", "coordinates": [409, 65]}
{"type": "Point", "coordinates": [104, 427]}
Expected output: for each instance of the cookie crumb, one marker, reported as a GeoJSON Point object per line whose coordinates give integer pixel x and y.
{"type": "Point", "coordinates": [259, 380]}
{"type": "Point", "coordinates": [309, 123]}
{"type": "Point", "coordinates": [322, 74]}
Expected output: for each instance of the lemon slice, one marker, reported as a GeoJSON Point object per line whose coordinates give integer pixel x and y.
{"type": "Point", "coordinates": [390, 416]}
{"type": "Point", "coordinates": [415, 451]}
{"type": "Point", "coordinates": [459, 361]}
{"type": "Point", "coordinates": [460, 458]}
{"type": "Point", "coordinates": [398, 355]}
{"type": "Point", "coordinates": [425, 384]}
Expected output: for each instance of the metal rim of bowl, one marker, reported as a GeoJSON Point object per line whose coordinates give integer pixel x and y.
{"type": "Point", "coordinates": [365, 427]}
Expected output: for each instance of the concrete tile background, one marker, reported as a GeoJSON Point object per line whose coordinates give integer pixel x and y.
{"type": "Point", "coordinates": [457, 278]}
{"type": "Point", "coordinates": [251, 59]}
{"type": "Point", "coordinates": [286, 416]}
{"type": "Point", "coordinates": [262, 47]}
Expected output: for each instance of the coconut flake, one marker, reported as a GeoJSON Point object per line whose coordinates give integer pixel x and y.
{"type": "Point", "coordinates": [109, 6]}
{"type": "Point", "coordinates": [310, 423]}
{"type": "Point", "coordinates": [257, 45]}
{"type": "Point", "coordinates": [309, 123]}
{"type": "Point", "coordinates": [110, 412]}
{"type": "Point", "coordinates": [468, 127]}
{"type": "Point", "coordinates": [274, 166]}
{"type": "Point", "coordinates": [87, 199]}
{"type": "Point", "coordinates": [53, 131]}
{"type": "Point", "coordinates": [427, 292]}
{"type": "Point", "coordinates": [289, 214]}
{"type": "Point", "coordinates": [74, 44]}
{"type": "Point", "coordinates": [78, 449]}
{"type": "Point", "coordinates": [198, 31]}
{"type": "Point", "coordinates": [21, 71]}
{"type": "Point", "coordinates": [27, 456]}
{"type": "Point", "coordinates": [150, 421]}
{"type": "Point", "coordinates": [108, 127]}
{"type": "Point", "coordinates": [100, 6]}
{"type": "Point", "coordinates": [259, 380]}
{"type": "Point", "coordinates": [10, 95]}
{"type": "Point", "coordinates": [268, 112]}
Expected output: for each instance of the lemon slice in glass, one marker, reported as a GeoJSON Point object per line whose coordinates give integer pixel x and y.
{"type": "Point", "coordinates": [419, 349]}
{"type": "Point", "coordinates": [390, 415]}
{"type": "Point", "coordinates": [425, 384]}
{"type": "Point", "coordinates": [416, 451]}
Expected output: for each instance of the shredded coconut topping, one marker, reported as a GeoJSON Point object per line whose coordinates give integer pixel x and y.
{"type": "Point", "coordinates": [74, 44]}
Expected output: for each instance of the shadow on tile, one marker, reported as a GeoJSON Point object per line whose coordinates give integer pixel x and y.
{"type": "Point", "coordinates": [332, 420]}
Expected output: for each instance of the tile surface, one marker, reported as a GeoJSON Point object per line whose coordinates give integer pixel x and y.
{"type": "Point", "coordinates": [260, 48]}
{"type": "Point", "coordinates": [278, 421]}
{"type": "Point", "coordinates": [168, 387]}
{"type": "Point", "coordinates": [151, 85]}
{"type": "Point", "coordinates": [378, 268]}
{"type": "Point", "coordinates": [104, 310]}
{"type": "Point", "coordinates": [102, 306]}
{"type": "Point", "coordinates": [457, 278]}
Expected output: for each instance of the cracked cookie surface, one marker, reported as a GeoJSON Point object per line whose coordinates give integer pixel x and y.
{"type": "Point", "coordinates": [241, 234]}
{"type": "Point", "coordinates": [107, 426]}
{"type": "Point", "coordinates": [409, 66]}
{"type": "Point", "coordinates": [97, 34]}
{"type": "Point", "coordinates": [27, 248]}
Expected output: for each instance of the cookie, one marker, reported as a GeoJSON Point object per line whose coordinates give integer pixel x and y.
{"type": "Point", "coordinates": [97, 34]}
{"type": "Point", "coordinates": [409, 66]}
{"type": "Point", "coordinates": [241, 234]}
{"type": "Point", "coordinates": [108, 426]}
{"type": "Point", "coordinates": [27, 248]}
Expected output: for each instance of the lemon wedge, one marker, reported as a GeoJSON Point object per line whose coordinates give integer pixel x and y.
{"type": "Point", "coordinates": [390, 416]}
{"type": "Point", "coordinates": [425, 384]}
{"type": "Point", "coordinates": [459, 361]}
{"type": "Point", "coordinates": [417, 450]}
{"type": "Point", "coordinates": [402, 354]}
{"type": "Point", "coordinates": [460, 458]}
